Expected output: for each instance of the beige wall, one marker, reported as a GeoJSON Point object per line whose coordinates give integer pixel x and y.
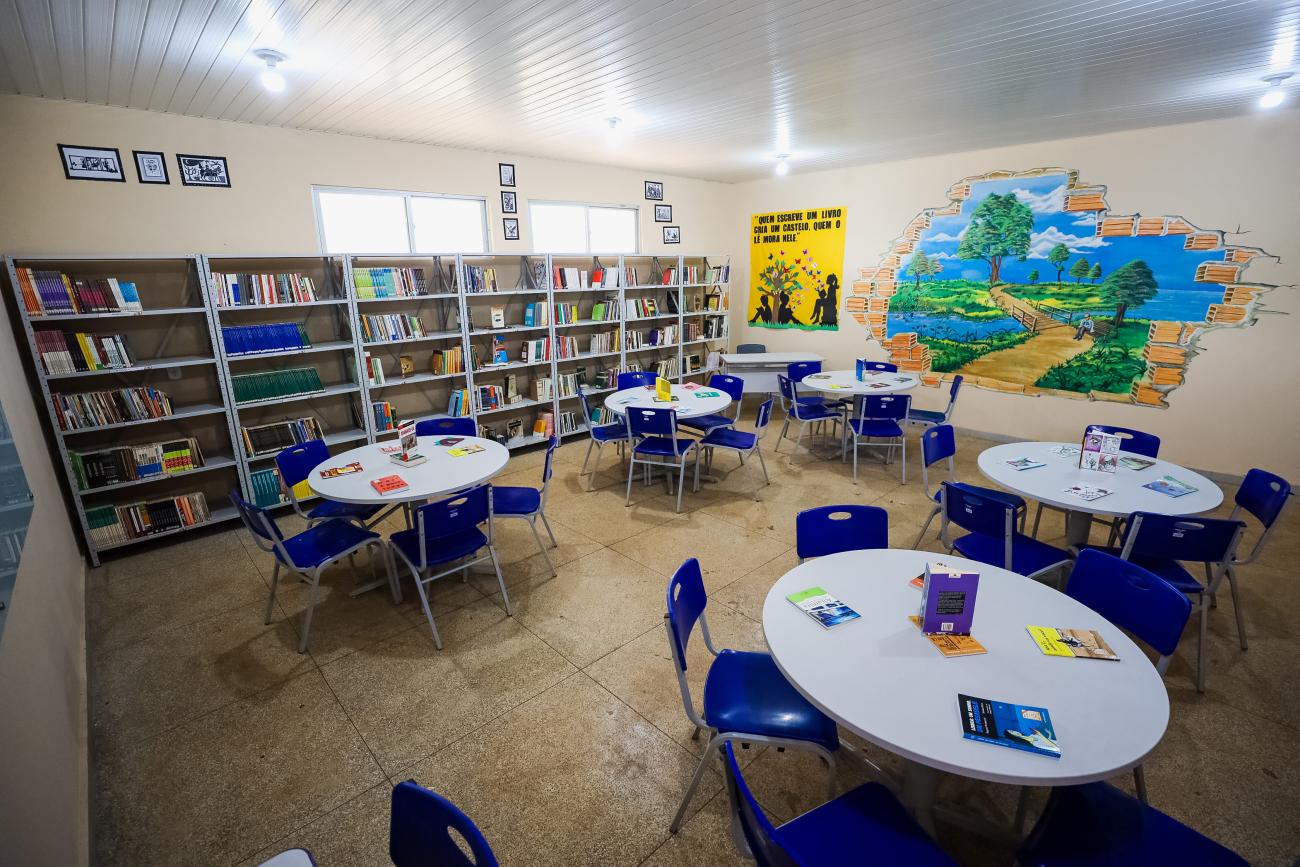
{"type": "Point", "coordinates": [269, 208]}
{"type": "Point", "coordinates": [1238, 407]}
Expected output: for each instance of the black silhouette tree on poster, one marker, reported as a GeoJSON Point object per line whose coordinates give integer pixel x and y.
{"type": "Point", "coordinates": [780, 291]}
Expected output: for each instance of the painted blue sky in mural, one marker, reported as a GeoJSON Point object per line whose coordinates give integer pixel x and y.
{"type": "Point", "coordinates": [1180, 297]}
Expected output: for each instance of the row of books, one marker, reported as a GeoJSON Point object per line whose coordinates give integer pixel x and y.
{"type": "Point", "coordinates": [268, 439]}
{"type": "Point", "coordinates": [652, 337]}
{"type": "Point", "coordinates": [268, 384]}
{"type": "Point", "coordinates": [113, 525]}
{"type": "Point", "coordinates": [458, 404]}
{"type": "Point", "coordinates": [537, 314]}
{"type": "Point", "coordinates": [447, 361]}
{"type": "Point", "coordinates": [384, 414]}
{"type": "Point", "coordinates": [53, 292]}
{"type": "Point", "coordinates": [266, 488]}
{"type": "Point", "coordinates": [391, 327]}
{"type": "Point", "coordinates": [639, 308]}
{"type": "Point", "coordinates": [257, 290]}
{"type": "Point", "coordinates": [389, 282]}
{"type": "Point", "coordinates": [111, 406]}
{"type": "Point", "coordinates": [480, 279]}
{"type": "Point", "coordinates": [605, 311]}
{"type": "Point", "coordinates": [566, 314]}
{"type": "Point", "coordinates": [706, 274]}
{"type": "Point", "coordinates": [667, 367]}
{"type": "Point", "coordinates": [715, 327]}
{"type": "Point", "coordinates": [578, 278]}
{"type": "Point", "coordinates": [77, 352]}
{"type": "Point", "coordinates": [607, 342]}
{"type": "Point", "coordinates": [271, 337]}
{"type": "Point", "coordinates": [112, 466]}
{"type": "Point", "coordinates": [374, 369]}
{"type": "Point", "coordinates": [570, 422]}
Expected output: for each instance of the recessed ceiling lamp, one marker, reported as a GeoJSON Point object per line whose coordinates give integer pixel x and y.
{"type": "Point", "coordinates": [782, 165]}
{"type": "Point", "coordinates": [1275, 95]}
{"type": "Point", "coordinates": [614, 135]}
{"type": "Point", "coordinates": [271, 78]}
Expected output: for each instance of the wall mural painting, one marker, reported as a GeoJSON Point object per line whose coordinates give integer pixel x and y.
{"type": "Point", "coordinates": [1026, 283]}
{"type": "Point", "coordinates": [795, 262]}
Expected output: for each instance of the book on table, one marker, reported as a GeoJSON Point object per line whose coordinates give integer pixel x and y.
{"type": "Point", "coordinates": [467, 449]}
{"type": "Point", "coordinates": [448, 441]}
{"type": "Point", "coordinates": [1100, 451]}
{"type": "Point", "coordinates": [1081, 643]}
{"type": "Point", "coordinates": [345, 470]}
{"type": "Point", "coordinates": [389, 484]}
{"type": "Point", "coordinates": [1170, 487]}
{"type": "Point", "coordinates": [1025, 464]}
{"type": "Point", "coordinates": [823, 607]}
{"type": "Point", "coordinates": [1017, 726]}
{"type": "Point", "coordinates": [948, 599]}
{"type": "Point", "coordinates": [1132, 462]}
{"type": "Point", "coordinates": [1086, 492]}
{"type": "Point", "coordinates": [951, 645]}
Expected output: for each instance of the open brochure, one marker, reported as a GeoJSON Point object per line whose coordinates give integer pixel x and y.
{"type": "Point", "coordinates": [1018, 726]}
{"type": "Point", "coordinates": [822, 607]}
{"type": "Point", "coordinates": [1081, 643]}
{"type": "Point", "coordinates": [1170, 487]}
{"type": "Point", "coordinates": [1024, 464]}
{"type": "Point", "coordinates": [1086, 492]}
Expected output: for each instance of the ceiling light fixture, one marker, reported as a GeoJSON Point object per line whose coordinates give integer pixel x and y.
{"type": "Point", "coordinates": [782, 165]}
{"type": "Point", "coordinates": [614, 135]}
{"type": "Point", "coordinates": [1275, 95]}
{"type": "Point", "coordinates": [271, 78]}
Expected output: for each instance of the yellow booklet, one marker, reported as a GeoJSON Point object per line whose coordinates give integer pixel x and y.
{"type": "Point", "coordinates": [951, 644]}
{"type": "Point", "coordinates": [663, 390]}
{"type": "Point", "coordinates": [1083, 643]}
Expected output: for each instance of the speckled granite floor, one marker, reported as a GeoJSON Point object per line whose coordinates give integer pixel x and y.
{"type": "Point", "coordinates": [560, 730]}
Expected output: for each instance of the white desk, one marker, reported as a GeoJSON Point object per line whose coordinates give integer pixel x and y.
{"type": "Point", "coordinates": [440, 474]}
{"type": "Point", "coordinates": [686, 400]}
{"type": "Point", "coordinates": [760, 369]}
{"type": "Point", "coordinates": [846, 382]}
{"type": "Point", "coordinates": [879, 677]}
{"type": "Point", "coordinates": [1047, 484]}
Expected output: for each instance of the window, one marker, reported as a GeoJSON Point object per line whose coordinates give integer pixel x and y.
{"type": "Point", "coordinates": [386, 221]}
{"type": "Point", "coordinates": [572, 228]}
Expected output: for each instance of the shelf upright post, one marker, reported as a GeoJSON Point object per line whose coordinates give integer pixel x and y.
{"type": "Point", "coordinates": [681, 317]}
{"type": "Point", "coordinates": [548, 283]}
{"type": "Point", "coordinates": [358, 350]}
{"type": "Point", "coordinates": [467, 351]}
{"type": "Point", "coordinates": [208, 295]}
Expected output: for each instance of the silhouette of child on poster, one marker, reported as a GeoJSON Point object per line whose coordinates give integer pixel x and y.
{"type": "Point", "coordinates": [764, 311]}
{"type": "Point", "coordinates": [826, 308]}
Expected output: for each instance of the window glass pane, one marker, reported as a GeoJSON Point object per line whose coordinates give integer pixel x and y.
{"type": "Point", "coordinates": [613, 230]}
{"type": "Point", "coordinates": [558, 228]}
{"type": "Point", "coordinates": [447, 225]}
{"type": "Point", "coordinates": [363, 222]}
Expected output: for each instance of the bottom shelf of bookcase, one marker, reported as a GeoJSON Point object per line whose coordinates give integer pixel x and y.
{"type": "Point", "coordinates": [215, 516]}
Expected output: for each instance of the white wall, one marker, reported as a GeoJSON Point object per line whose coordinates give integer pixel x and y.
{"type": "Point", "coordinates": [1237, 408]}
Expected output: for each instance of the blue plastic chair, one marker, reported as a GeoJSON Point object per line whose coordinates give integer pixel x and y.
{"type": "Point", "coordinates": [295, 857]}
{"type": "Point", "coordinates": [930, 417]}
{"type": "Point", "coordinates": [460, 426]}
{"type": "Point", "coordinates": [734, 387]}
{"type": "Point", "coordinates": [880, 416]}
{"type": "Point", "coordinates": [636, 379]}
{"type": "Point", "coordinates": [418, 831]}
{"type": "Point", "coordinates": [744, 443]}
{"type": "Point", "coordinates": [448, 532]}
{"type": "Point", "coordinates": [599, 434]}
{"type": "Point", "coordinates": [1134, 441]}
{"type": "Point", "coordinates": [751, 348]}
{"type": "Point", "coordinates": [879, 367]}
{"type": "Point", "coordinates": [529, 503]}
{"type": "Point", "coordinates": [810, 411]}
{"type": "Point", "coordinates": [939, 442]}
{"type": "Point", "coordinates": [1137, 601]}
{"type": "Point", "coordinates": [309, 553]}
{"type": "Point", "coordinates": [296, 464]}
{"type": "Point", "coordinates": [864, 826]}
{"type": "Point", "coordinates": [1262, 495]}
{"type": "Point", "coordinates": [992, 537]}
{"type": "Point", "coordinates": [1097, 825]}
{"type": "Point", "coordinates": [832, 529]}
{"type": "Point", "coordinates": [657, 446]}
{"type": "Point", "coordinates": [746, 698]}
{"type": "Point", "coordinates": [1162, 543]}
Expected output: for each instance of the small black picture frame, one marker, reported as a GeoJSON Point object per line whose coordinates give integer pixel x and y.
{"type": "Point", "coordinates": [511, 227]}
{"type": "Point", "coordinates": [663, 213]}
{"type": "Point", "coordinates": [509, 202]}
{"type": "Point", "coordinates": [199, 170]}
{"type": "Point", "coordinates": [85, 163]}
{"type": "Point", "coordinates": [672, 234]}
{"type": "Point", "coordinates": [151, 167]}
{"type": "Point", "coordinates": [506, 174]}
{"type": "Point", "coordinates": [654, 191]}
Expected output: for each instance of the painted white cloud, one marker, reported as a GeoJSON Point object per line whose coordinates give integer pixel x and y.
{"type": "Point", "coordinates": [942, 255]}
{"type": "Point", "coordinates": [1050, 202]}
{"type": "Point", "coordinates": [942, 237]}
{"type": "Point", "coordinates": [1041, 243]}
{"type": "Point", "coordinates": [1086, 220]}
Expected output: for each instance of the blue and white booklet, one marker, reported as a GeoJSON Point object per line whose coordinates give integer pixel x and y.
{"type": "Point", "coordinates": [1018, 726]}
{"type": "Point", "coordinates": [823, 607]}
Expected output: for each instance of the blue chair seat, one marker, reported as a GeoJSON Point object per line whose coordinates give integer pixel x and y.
{"type": "Point", "coordinates": [707, 422]}
{"type": "Point", "coordinates": [1100, 826]}
{"type": "Point", "coordinates": [730, 438]}
{"type": "Point", "coordinates": [868, 819]}
{"type": "Point", "coordinates": [746, 692]}
{"type": "Point", "coordinates": [440, 550]}
{"type": "Point", "coordinates": [1027, 555]}
{"type": "Point", "coordinates": [322, 543]}
{"type": "Point", "coordinates": [875, 427]}
{"type": "Point", "coordinates": [333, 509]}
{"type": "Point", "coordinates": [818, 412]}
{"type": "Point", "coordinates": [992, 494]}
{"type": "Point", "coordinates": [516, 500]}
{"type": "Point", "coordinates": [609, 432]}
{"type": "Point", "coordinates": [928, 416]}
{"type": "Point", "coordinates": [663, 446]}
{"type": "Point", "coordinates": [1170, 570]}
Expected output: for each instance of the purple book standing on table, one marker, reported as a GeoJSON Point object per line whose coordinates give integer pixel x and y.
{"type": "Point", "coordinates": [948, 600]}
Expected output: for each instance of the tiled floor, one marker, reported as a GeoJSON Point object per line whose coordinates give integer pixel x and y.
{"type": "Point", "coordinates": [561, 730]}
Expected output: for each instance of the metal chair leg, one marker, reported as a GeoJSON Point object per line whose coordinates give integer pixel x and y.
{"type": "Point", "coordinates": [583, 472]}
{"type": "Point", "coordinates": [1022, 807]}
{"type": "Point", "coordinates": [676, 825]}
{"type": "Point", "coordinates": [311, 609]}
{"type": "Point", "coordinates": [921, 536]}
{"type": "Point", "coordinates": [1140, 783]}
{"type": "Point", "coordinates": [758, 450]}
{"type": "Point", "coordinates": [1236, 607]}
{"type": "Point", "coordinates": [501, 581]}
{"type": "Point", "coordinates": [428, 614]}
{"type": "Point", "coordinates": [1200, 645]}
{"type": "Point", "coordinates": [547, 525]}
{"type": "Point", "coordinates": [532, 524]}
{"type": "Point", "coordinates": [631, 471]}
{"type": "Point", "coordinates": [1038, 516]}
{"type": "Point", "coordinates": [270, 603]}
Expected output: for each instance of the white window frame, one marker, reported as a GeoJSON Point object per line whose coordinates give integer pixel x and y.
{"type": "Point", "coordinates": [406, 196]}
{"type": "Point", "coordinates": [586, 222]}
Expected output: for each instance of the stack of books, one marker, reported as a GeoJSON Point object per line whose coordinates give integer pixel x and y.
{"type": "Point", "coordinates": [259, 290]}
{"type": "Point", "coordinates": [251, 387]}
{"type": "Point", "coordinates": [458, 404]}
{"type": "Point", "coordinates": [271, 337]}
{"type": "Point", "coordinates": [389, 282]}
{"type": "Point", "coordinates": [77, 352]}
{"type": "Point", "coordinates": [52, 292]}
{"type": "Point", "coordinates": [480, 279]}
{"type": "Point", "coordinates": [543, 388]}
{"type": "Point", "coordinates": [607, 342]}
{"type": "Point", "coordinates": [268, 439]}
{"type": "Point", "coordinates": [717, 274]}
{"type": "Point", "coordinates": [536, 350]}
{"type": "Point", "coordinates": [113, 525]}
{"type": "Point", "coordinates": [652, 337]}
{"type": "Point", "coordinates": [569, 278]}
{"type": "Point", "coordinates": [385, 415]}
{"type": "Point", "coordinates": [113, 406]}
{"type": "Point", "coordinates": [112, 466]}
{"type": "Point", "coordinates": [488, 397]}
{"type": "Point", "coordinates": [447, 361]}
{"type": "Point", "coordinates": [667, 368]}
{"type": "Point", "coordinates": [692, 331]}
{"type": "Point", "coordinates": [537, 314]}
{"type": "Point", "coordinates": [565, 347]}
{"type": "Point", "coordinates": [640, 308]}
{"type": "Point", "coordinates": [567, 383]}
{"type": "Point", "coordinates": [389, 327]}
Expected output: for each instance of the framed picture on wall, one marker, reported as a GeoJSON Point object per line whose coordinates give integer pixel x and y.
{"type": "Point", "coordinates": [654, 191]}
{"type": "Point", "coordinates": [507, 173]}
{"type": "Point", "coordinates": [663, 213]}
{"type": "Point", "coordinates": [151, 167]}
{"type": "Point", "coordinates": [82, 163]}
{"type": "Point", "coordinates": [203, 171]}
{"type": "Point", "coordinates": [509, 205]}
{"type": "Point", "coordinates": [512, 228]}
{"type": "Point", "coordinates": [672, 234]}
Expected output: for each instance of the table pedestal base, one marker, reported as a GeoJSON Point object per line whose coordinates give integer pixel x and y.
{"type": "Point", "coordinates": [1078, 526]}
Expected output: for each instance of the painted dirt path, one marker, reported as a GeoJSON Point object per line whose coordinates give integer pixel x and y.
{"type": "Point", "coordinates": [1024, 363]}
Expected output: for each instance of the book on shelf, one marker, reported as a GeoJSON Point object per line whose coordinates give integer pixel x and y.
{"type": "Point", "coordinates": [1100, 451]}
{"type": "Point", "coordinates": [389, 282]}
{"type": "Point", "coordinates": [823, 607]}
{"type": "Point", "coordinates": [111, 406]}
{"type": "Point", "coordinates": [267, 487]}
{"type": "Point", "coordinates": [640, 308]}
{"type": "Point", "coordinates": [271, 384]}
{"type": "Point", "coordinates": [391, 327]}
{"type": "Point", "coordinates": [271, 337]}
{"type": "Point", "coordinates": [374, 369]}
{"type": "Point", "coordinates": [258, 290]}
{"type": "Point", "coordinates": [569, 278]}
{"type": "Point", "coordinates": [115, 524]}
{"type": "Point", "coordinates": [268, 439]}
{"type": "Point", "coordinates": [384, 415]}
{"type": "Point", "coordinates": [46, 292]}
{"type": "Point", "coordinates": [566, 314]}
{"type": "Point", "coordinates": [1016, 726]}
{"type": "Point", "coordinates": [117, 464]}
{"type": "Point", "coordinates": [570, 422]}
{"type": "Point", "coordinates": [458, 404]}
{"type": "Point", "coordinates": [443, 361]}
{"type": "Point", "coordinates": [80, 352]}
{"type": "Point", "coordinates": [950, 644]}
{"type": "Point", "coordinates": [537, 314]}
{"type": "Point", "coordinates": [480, 279]}
{"type": "Point", "coordinates": [1080, 643]}
{"type": "Point", "coordinates": [499, 316]}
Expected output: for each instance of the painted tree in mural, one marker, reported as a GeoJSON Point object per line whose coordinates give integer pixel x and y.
{"type": "Point", "coordinates": [1032, 277]}
{"type": "Point", "coordinates": [919, 267]}
{"type": "Point", "coordinates": [1000, 227]}
{"type": "Point", "coordinates": [934, 268]}
{"type": "Point", "coordinates": [1129, 285]}
{"type": "Point", "coordinates": [1079, 269]}
{"type": "Point", "coordinates": [1058, 256]}
{"type": "Point", "coordinates": [1094, 273]}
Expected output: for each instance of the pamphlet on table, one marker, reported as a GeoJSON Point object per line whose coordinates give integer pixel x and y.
{"type": "Point", "coordinates": [948, 600]}
{"type": "Point", "coordinates": [1065, 451]}
{"type": "Point", "coordinates": [467, 449]}
{"type": "Point", "coordinates": [345, 470]}
{"type": "Point", "coordinates": [1025, 464]}
{"type": "Point", "coordinates": [1087, 492]}
{"type": "Point", "coordinates": [1170, 487]}
{"type": "Point", "coordinates": [1100, 451]}
{"type": "Point", "coordinates": [822, 607]}
{"type": "Point", "coordinates": [447, 442]}
{"type": "Point", "coordinates": [389, 484]}
{"type": "Point", "coordinates": [1132, 462]}
{"type": "Point", "coordinates": [951, 645]}
{"type": "Point", "coordinates": [1018, 726]}
{"type": "Point", "coordinates": [1081, 643]}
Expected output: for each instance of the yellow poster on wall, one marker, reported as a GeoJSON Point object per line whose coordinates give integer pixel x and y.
{"type": "Point", "coordinates": [795, 262]}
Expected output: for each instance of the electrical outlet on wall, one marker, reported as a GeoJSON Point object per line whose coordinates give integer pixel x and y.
{"type": "Point", "coordinates": [173, 373]}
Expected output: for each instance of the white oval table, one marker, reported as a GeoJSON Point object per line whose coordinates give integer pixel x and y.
{"type": "Point", "coordinates": [846, 382]}
{"type": "Point", "coordinates": [881, 678]}
{"type": "Point", "coordinates": [440, 474]}
{"type": "Point", "coordinates": [1047, 485]}
{"type": "Point", "coordinates": [686, 400]}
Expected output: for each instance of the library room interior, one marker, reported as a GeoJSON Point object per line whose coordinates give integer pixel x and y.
{"type": "Point", "coordinates": [662, 434]}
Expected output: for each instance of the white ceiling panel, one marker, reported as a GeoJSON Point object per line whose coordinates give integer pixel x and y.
{"type": "Point", "coordinates": [708, 89]}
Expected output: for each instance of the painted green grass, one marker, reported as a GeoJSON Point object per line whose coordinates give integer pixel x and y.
{"type": "Point", "coordinates": [961, 297]}
{"type": "Point", "coordinates": [949, 355]}
{"type": "Point", "coordinates": [1068, 296]}
{"type": "Point", "coordinates": [1110, 366]}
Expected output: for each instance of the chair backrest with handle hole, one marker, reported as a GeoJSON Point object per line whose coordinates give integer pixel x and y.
{"type": "Point", "coordinates": [1175, 537]}
{"type": "Point", "coordinates": [636, 379]}
{"type": "Point", "coordinates": [751, 348]}
{"type": "Point", "coordinates": [687, 600]}
{"type": "Point", "coordinates": [266, 533]}
{"type": "Point", "coordinates": [423, 827]}
{"type": "Point", "coordinates": [879, 367]}
{"type": "Point", "coordinates": [938, 442]}
{"type": "Point", "coordinates": [653, 422]}
{"type": "Point", "coordinates": [462, 426]}
{"type": "Point", "coordinates": [832, 529]}
{"type": "Point", "coordinates": [797, 370]}
{"type": "Point", "coordinates": [1133, 441]}
{"type": "Point", "coordinates": [296, 462]}
{"type": "Point", "coordinates": [763, 416]}
{"type": "Point", "coordinates": [884, 407]}
{"type": "Point", "coordinates": [732, 386]}
{"type": "Point", "coordinates": [1263, 495]}
{"type": "Point", "coordinates": [977, 513]}
{"type": "Point", "coordinates": [454, 515]}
